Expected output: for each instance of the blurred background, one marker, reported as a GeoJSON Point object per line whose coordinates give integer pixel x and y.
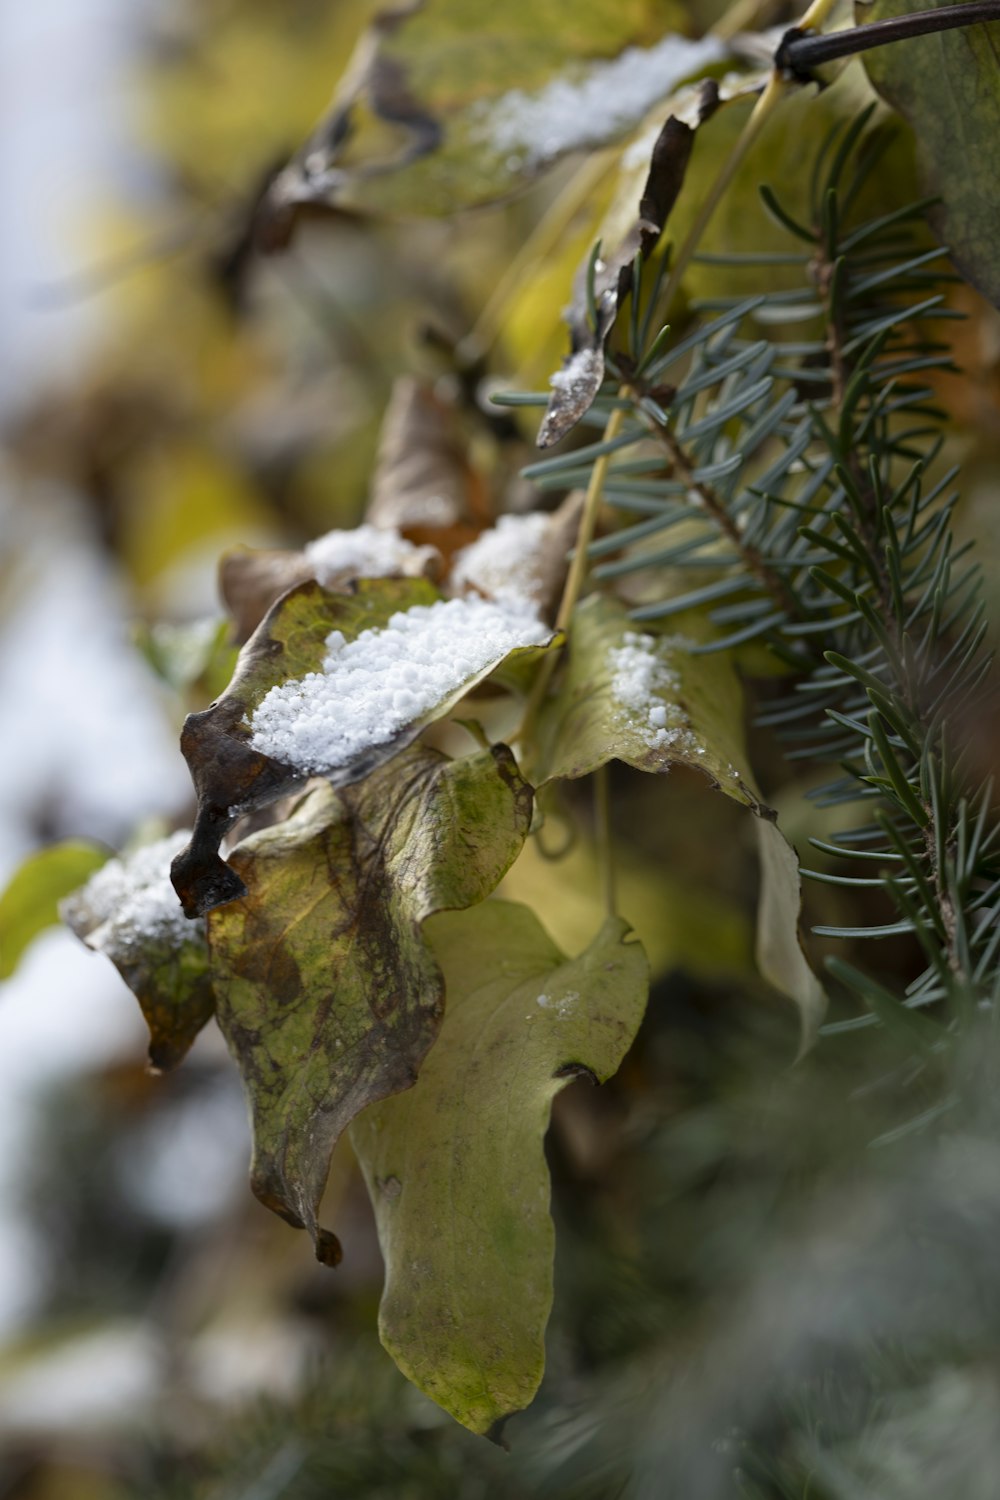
{"type": "Point", "coordinates": [752, 1298]}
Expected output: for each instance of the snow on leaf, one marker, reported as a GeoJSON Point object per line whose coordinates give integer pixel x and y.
{"type": "Point", "coordinates": [522, 561]}
{"type": "Point", "coordinates": [337, 684]}
{"type": "Point", "coordinates": [648, 701]}
{"type": "Point", "coordinates": [251, 580]}
{"type": "Point", "coordinates": [329, 995]}
{"type": "Point", "coordinates": [455, 1167]}
{"type": "Point", "coordinates": [643, 699]}
{"type": "Point", "coordinates": [374, 688]}
{"type": "Point", "coordinates": [130, 912]}
{"type": "Point", "coordinates": [450, 103]}
{"type": "Point", "coordinates": [596, 104]}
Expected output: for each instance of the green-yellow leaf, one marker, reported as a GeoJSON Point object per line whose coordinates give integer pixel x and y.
{"type": "Point", "coordinates": [30, 902]}
{"type": "Point", "coordinates": [643, 699]}
{"type": "Point", "coordinates": [456, 1169]}
{"type": "Point", "coordinates": [948, 87]}
{"type": "Point", "coordinates": [329, 995]}
{"type": "Point", "coordinates": [648, 701]}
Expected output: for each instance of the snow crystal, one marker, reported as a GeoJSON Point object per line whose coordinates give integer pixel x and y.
{"type": "Point", "coordinates": [639, 681]}
{"type": "Point", "coordinates": [576, 379]}
{"type": "Point", "coordinates": [373, 687]}
{"type": "Point", "coordinates": [606, 100]}
{"type": "Point", "coordinates": [367, 551]}
{"type": "Point", "coordinates": [507, 563]}
{"type": "Point", "coordinates": [132, 897]}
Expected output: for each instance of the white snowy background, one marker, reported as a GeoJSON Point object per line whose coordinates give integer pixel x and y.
{"type": "Point", "coordinates": [86, 737]}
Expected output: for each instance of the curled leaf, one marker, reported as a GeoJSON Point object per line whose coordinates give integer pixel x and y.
{"type": "Point", "coordinates": [576, 385]}
{"type": "Point", "coordinates": [231, 777]}
{"type": "Point", "coordinates": [329, 995]}
{"type": "Point", "coordinates": [456, 1168]}
{"type": "Point", "coordinates": [780, 956]}
{"type": "Point", "coordinates": [333, 685]}
{"type": "Point", "coordinates": [129, 912]}
{"type": "Point", "coordinates": [643, 699]}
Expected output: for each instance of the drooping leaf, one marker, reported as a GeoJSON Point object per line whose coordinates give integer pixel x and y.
{"type": "Point", "coordinates": [455, 1167]}
{"type": "Point", "coordinates": [780, 957]}
{"type": "Point", "coordinates": [30, 902]}
{"type": "Point", "coordinates": [343, 735]}
{"type": "Point", "coordinates": [948, 87]}
{"type": "Point", "coordinates": [643, 699]}
{"type": "Point", "coordinates": [329, 995]}
{"type": "Point", "coordinates": [129, 912]}
{"type": "Point", "coordinates": [648, 701]}
{"type": "Point", "coordinates": [451, 103]}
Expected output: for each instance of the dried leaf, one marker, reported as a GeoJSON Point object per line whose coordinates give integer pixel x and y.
{"type": "Point", "coordinates": [251, 581]}
{"type": "Point", "coordinates": [424, 483]}
{"type": "Point", "coordinates": [329, 995]}
{"type": "Point", "coordinates": [576, 385]}
{"type": "Point", "coordinates": [456, 1168]}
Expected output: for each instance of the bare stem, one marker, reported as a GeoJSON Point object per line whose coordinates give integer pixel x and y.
{"type": "Point", "coordinates": [605, 847]}
{"type": "Point", "coordinates": [578, 568]}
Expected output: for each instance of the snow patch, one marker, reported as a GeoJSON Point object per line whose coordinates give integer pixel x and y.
{"type": "Point", "coordinates": [640, 681]}
{"type": "Point", "coordinates": [130, 900]}
{"type": "Point", "coordinates": [507, 563]}
{"type": "Point", "coordinates": [372, 687]}
{"type": "Point", "coordinates": [367, 551]}
{"type": "Point", "coordinates": [603, 101]}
